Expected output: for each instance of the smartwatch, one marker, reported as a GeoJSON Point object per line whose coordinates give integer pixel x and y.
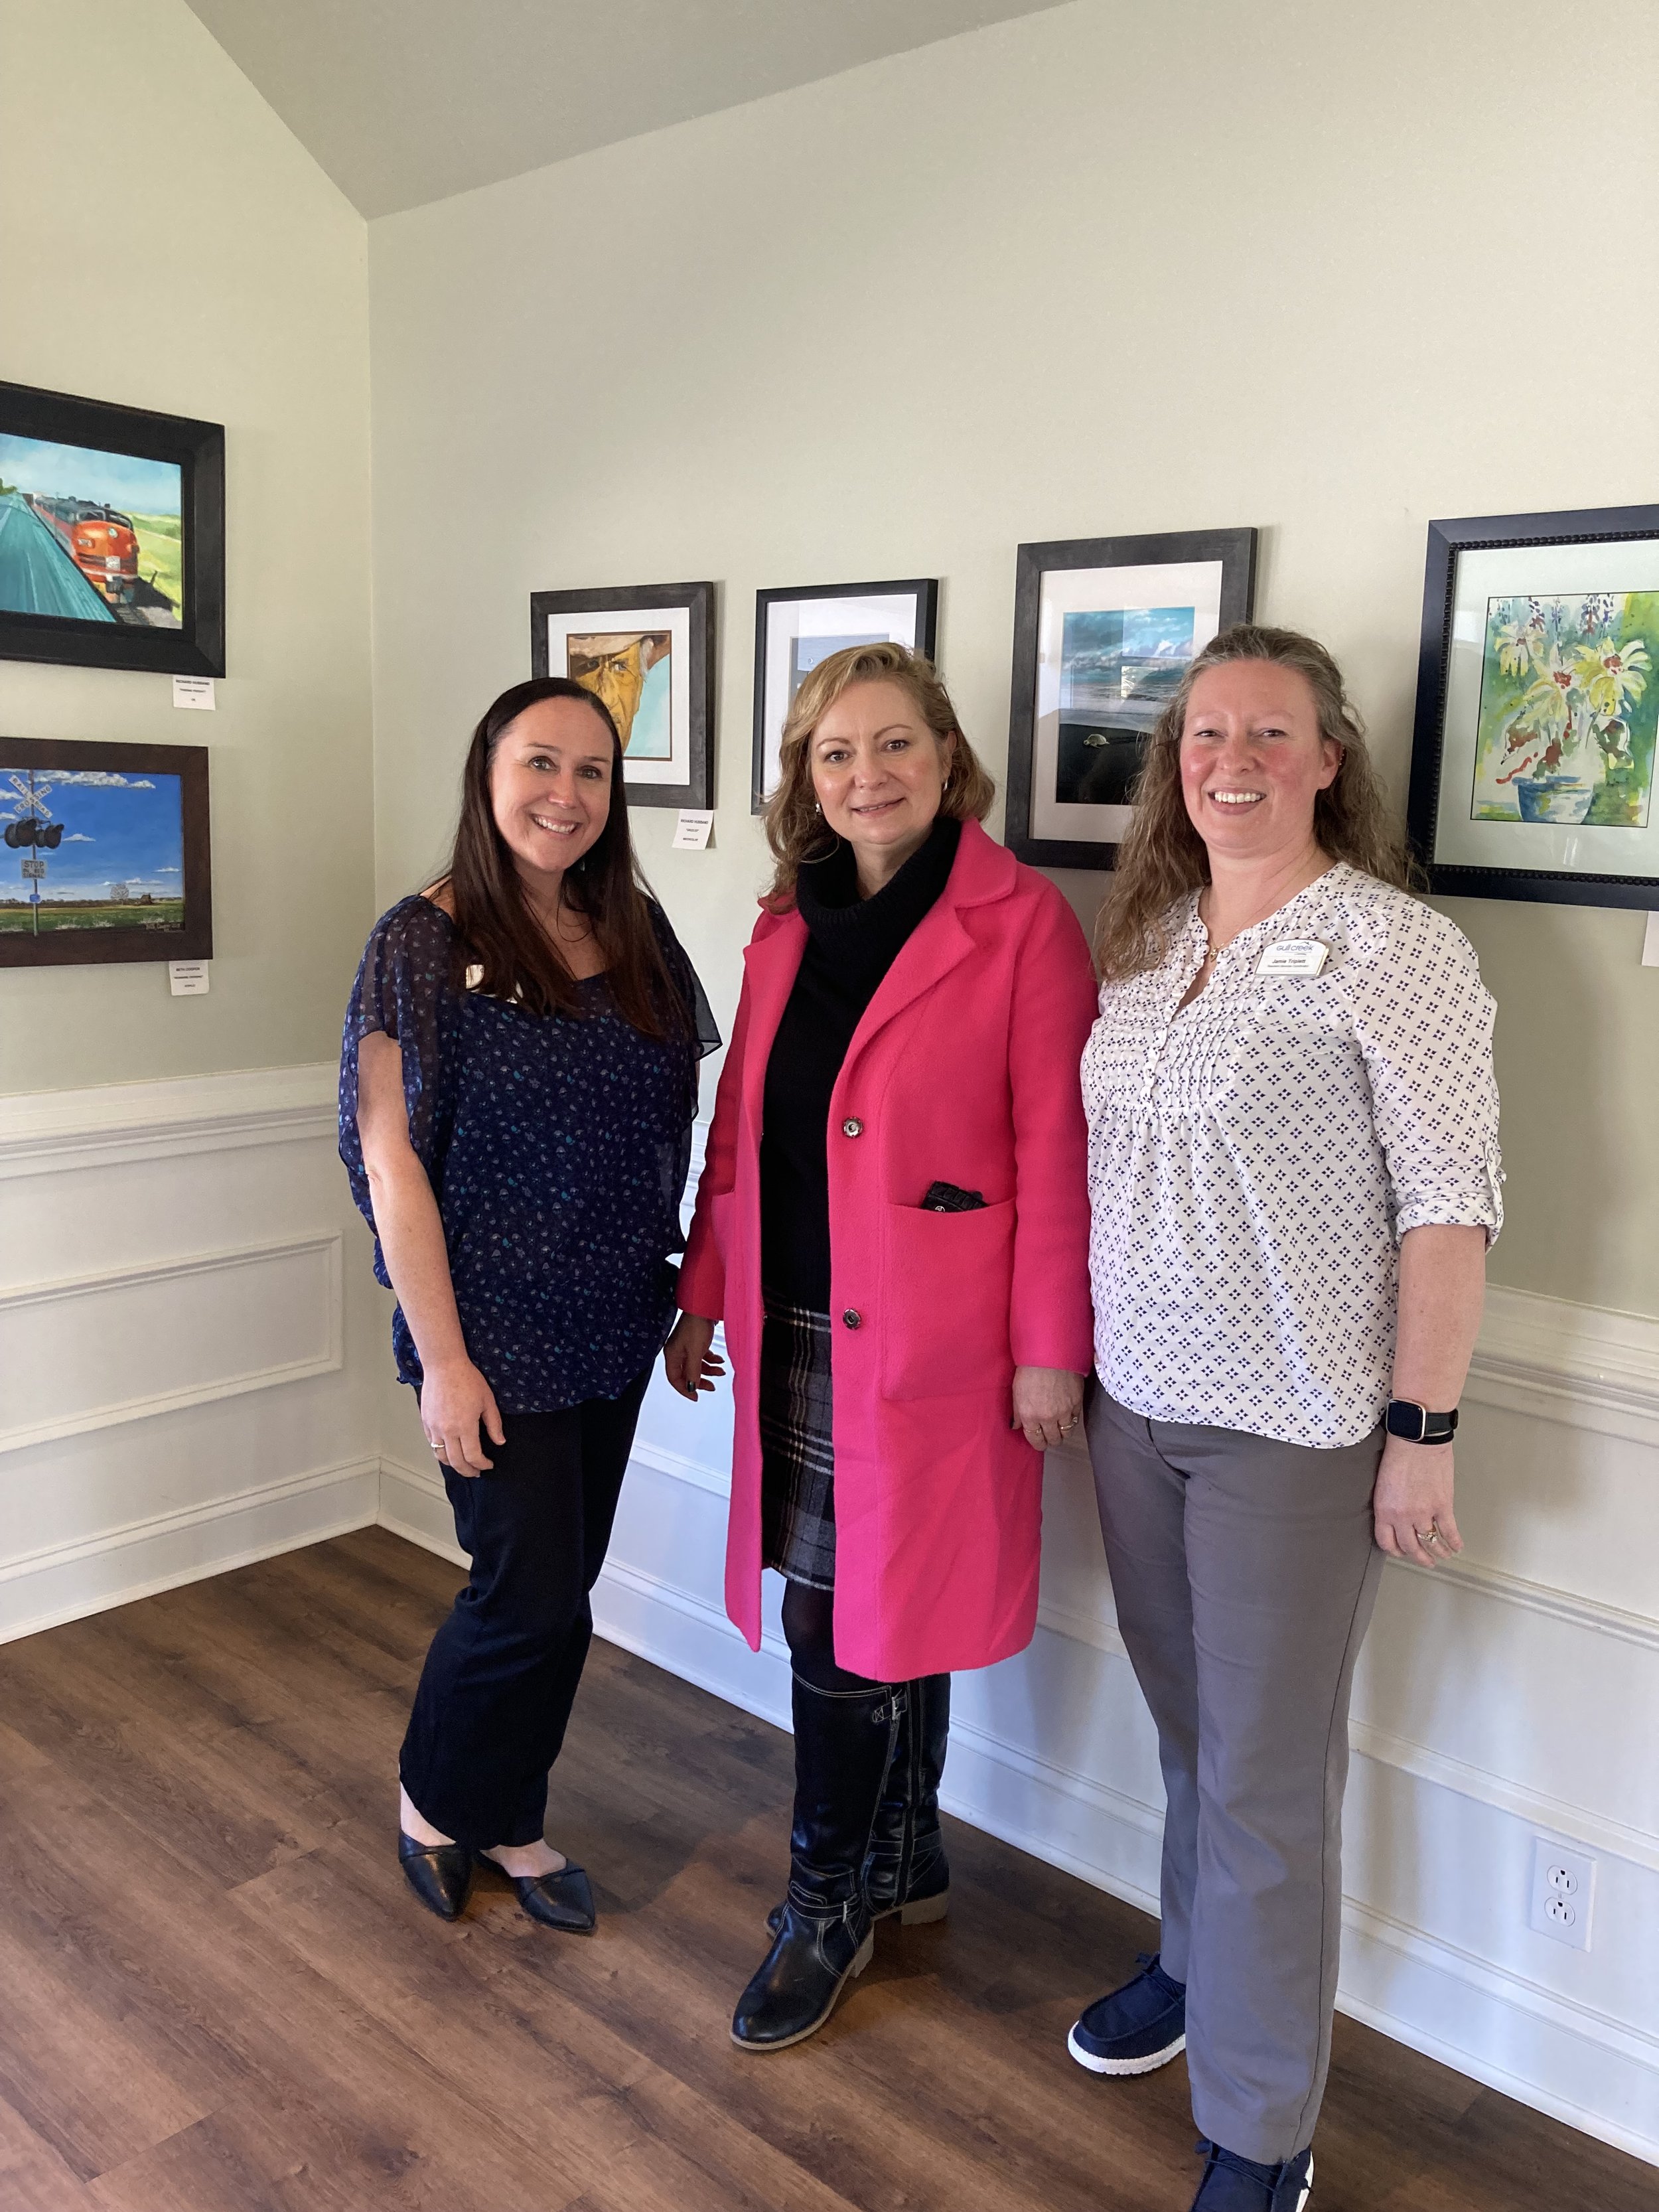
{"type": "Point", "coordinates": [1406, 1418]}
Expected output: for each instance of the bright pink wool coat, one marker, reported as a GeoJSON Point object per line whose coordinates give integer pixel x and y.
{"type": "Point", "coordinates": [964, 1069]}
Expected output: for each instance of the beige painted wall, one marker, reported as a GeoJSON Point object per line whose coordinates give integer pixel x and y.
{"type": "Point", "coordinates": [165, 242]}
{"type": "Point", "coordinates": [1327, 271]}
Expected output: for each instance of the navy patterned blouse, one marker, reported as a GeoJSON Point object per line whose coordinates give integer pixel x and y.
{"type": "Point", "coordinates": [557, 1148]}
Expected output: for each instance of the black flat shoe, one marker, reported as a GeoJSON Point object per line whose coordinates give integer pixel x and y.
{"type": "Point", "coordinates": [561, 1900]}
{"type": "Point", "coordinates": [439, 1874]}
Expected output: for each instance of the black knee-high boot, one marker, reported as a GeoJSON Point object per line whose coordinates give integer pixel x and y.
{"type": "Point", "coordinates": [905, 1871]}
{"type": "Point", "coordinates": [843, 1744]}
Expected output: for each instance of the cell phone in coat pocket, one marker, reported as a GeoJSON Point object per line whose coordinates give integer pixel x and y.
{"type": "Point", "coordinates": [951, 1198]}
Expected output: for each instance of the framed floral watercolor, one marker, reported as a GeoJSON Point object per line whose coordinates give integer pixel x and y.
{"type": "Point", "coordinates": [648, 652]}
{"type": "Point", "coordinates": [1537, 699]}
{"type": "Point", "coordinates": [1104, 629]}
{"type": "Point", "coordinates": [796, 629]}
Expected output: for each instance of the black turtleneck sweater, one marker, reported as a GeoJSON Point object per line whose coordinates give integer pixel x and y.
{"type": "Point", "coordinates": [851, 944]}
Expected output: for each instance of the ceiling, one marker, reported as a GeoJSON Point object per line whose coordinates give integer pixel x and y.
{"type": "Point", "coordinates": [403, 101]}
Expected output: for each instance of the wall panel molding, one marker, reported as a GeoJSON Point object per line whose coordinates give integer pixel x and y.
{"type": "Point", "coordinates": [136, 1336]}
{"type": "Point", "coordinates": [117, 1566]}
{"type": "Point", "coordinates": [55, 1131]}
{"type": "Point", "coordinates": [1587, 1366]}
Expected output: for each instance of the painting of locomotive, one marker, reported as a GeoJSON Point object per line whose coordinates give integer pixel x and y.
{"type": "Point", "coordinates": [86, 536]}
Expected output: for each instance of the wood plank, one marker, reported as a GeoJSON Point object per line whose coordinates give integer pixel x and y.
{"type": "Point", "coordinates": [33, 2177]}
{"type": "Point", "coordinates": [221, 1996]}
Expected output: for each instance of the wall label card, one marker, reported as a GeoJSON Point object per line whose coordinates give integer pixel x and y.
{"type": "Point", "coordinates": [194, 692]}
{"type": "Point", "coordinates": [188, 979]}
{"type": "Point", "coordinates": [693, 829]}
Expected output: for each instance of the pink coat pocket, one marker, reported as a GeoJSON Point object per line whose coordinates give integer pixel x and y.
{"type": "Point", "coordinates": [949, 1277]}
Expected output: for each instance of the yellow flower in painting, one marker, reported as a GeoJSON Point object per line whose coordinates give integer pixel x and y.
{"type": "Point", "coordinates": [1517, 641]}
{"type": "Point", "coordinates": [1612, 676]}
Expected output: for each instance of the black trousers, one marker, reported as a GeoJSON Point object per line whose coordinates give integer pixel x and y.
{"type": "Point", "coordinates": [500, 1677]}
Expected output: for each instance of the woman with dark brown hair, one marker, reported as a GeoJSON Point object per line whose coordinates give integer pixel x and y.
{"type": "Point", "coordinates": [518, 1085]}
{"type": "Point", "coordinates": [893, 1224]}
{"type": "Point", "coordinates": [1293, 1176]}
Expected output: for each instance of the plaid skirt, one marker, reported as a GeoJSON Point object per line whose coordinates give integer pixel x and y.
{"type": "Point", "coordinates": [797, 1452]}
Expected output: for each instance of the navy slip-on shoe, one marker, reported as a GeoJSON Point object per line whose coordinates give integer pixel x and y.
{"type": "Point", "coordinates": [1135, 2029]}
{"type": "Point", "coordinates": [1232, 2184]}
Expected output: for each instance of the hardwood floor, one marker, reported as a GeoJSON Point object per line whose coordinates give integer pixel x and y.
{"type": "Point", "coordinates": [216, 1994]}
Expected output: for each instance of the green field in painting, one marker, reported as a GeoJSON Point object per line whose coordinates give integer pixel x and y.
{"type": "Point", "coordinates": [91, 913]}
{"type": "Point", "coordinates": [160, 554]}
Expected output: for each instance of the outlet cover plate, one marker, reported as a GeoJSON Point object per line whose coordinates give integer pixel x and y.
{"type": "Point", "coordinates": [1563, 1891]}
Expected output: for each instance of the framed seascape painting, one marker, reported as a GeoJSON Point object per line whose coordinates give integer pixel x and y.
{"type": "Point", "coordinates": [648, 652]}
{"type": "Point", "coordinates": [1537, 698]}
{"type": "Point", "coordinates": [104, 853]}
{"type": "Point", "coordinates": [796, 629]}
{"type": "Point", "coordinates": [112, 535]}
{"type": "Point", "coordinates": [1104, 630]}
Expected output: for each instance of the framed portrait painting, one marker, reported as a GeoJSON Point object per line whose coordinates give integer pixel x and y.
{"type": "Point", "coordinates": [795, 630]}
{"type": "Point", "coordinates": [1537, 698]}
{"type": "Point", "coordinates": [112, 535]}
{"type": "Point", "coordinates": [1104, 630]}
{"type": "Point", "coordinates": [649, 653]}
{"type": "Point", "coordinates": [104, 853]}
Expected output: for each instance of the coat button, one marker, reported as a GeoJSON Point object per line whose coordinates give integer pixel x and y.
{"type": "Point", "coordinates": [853, 1317]}
{"type": "Point", "coordinates": [852, 1126]}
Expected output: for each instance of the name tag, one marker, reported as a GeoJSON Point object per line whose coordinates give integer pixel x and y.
{"type": "Point", "coordinates": [1293, 956]}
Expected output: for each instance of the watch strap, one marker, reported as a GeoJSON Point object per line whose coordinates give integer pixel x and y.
{"type": "Point", "coordinates": [1417, 1425]}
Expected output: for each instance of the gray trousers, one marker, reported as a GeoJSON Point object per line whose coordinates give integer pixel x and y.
{"type": "Point", "coordinates": [1245, 1574]}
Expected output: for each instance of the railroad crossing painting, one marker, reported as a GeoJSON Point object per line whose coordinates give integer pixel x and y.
{"type": "Point", "coordinates": [89, 537]}
{"type": "Point", "coordinates": [95, 850]}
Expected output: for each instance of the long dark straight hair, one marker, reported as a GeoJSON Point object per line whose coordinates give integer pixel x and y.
{"type": "Point", "coordinates": [500, 933]}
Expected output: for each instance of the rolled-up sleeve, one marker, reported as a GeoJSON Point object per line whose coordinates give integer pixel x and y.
{"type": "Point", "coordinates": [1424, 1021]}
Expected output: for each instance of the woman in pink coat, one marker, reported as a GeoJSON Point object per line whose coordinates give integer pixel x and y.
{"type": "Point", "coordinates": [893, 1224]}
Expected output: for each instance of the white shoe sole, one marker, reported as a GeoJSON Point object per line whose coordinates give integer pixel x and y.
{"type": "Point", "coordinates": [1308, 2192]}
{"type": "Point", "coordinates": [1122, 2067]}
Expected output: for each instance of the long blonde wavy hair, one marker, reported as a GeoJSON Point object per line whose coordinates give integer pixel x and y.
{"type": "Point", "coordinates": [1162, 857]}
{"type": "Point", "coordinates": [795, 829]}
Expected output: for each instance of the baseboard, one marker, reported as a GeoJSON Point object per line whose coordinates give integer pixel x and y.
{"type": "Point", "coordinates": [116, 1567]}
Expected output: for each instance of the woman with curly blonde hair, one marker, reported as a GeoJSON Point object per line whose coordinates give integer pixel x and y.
{"type": "Point", "coordinates": [893, 1224]}
{"type": "Point", "coordinates": [1294, 1176]}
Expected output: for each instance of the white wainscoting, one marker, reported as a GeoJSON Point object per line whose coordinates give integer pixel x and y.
{"type": "Point", "coordinates": [204, 1230]}
{"type": "Point", "coordinates": [189, 1338]}
{"type": "Point", "coordinates": [1497, 1702]}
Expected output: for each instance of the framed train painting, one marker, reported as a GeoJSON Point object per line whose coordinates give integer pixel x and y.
{"type": "Point", "coordinates": [1537, 698]}
{"type": "Point", "coordinates": [104, 853]}
{"type": "Point", "coordinates": [1104, 629]}
{"type": "Point", "coordinates": [112, 535]}
{"type": "Point", "coordinates": [647, 651]}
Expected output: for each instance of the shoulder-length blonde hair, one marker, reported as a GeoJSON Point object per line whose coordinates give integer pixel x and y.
{"type": "Point", "coordinates": [1162, 857]}
{"type": "Point", "coordinates": [795, 829]}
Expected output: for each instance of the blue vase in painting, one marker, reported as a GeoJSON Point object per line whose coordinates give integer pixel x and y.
{"type": "Point", "coordinates": [1561, 799]}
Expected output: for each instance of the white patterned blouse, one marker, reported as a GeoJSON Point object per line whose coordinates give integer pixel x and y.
{"type": "Point", "coordinates": [1255, 1158]}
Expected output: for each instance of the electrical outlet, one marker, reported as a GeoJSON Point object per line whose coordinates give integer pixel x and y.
{"type": "Point", "coordinates": [1562, 1892]}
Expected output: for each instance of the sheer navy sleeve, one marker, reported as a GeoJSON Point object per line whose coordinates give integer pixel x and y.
{"type": "Point", "coordinates": [404, 990]}
{"type": "Point", "coordinates": [557, 1145]}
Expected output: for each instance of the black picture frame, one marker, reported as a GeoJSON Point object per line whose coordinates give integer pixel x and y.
{"type": "Point", "coordinates": [46, 568]}
{"type": "Point", "coordinates": [694, 603]}
{"type": "Point", "coordinates": [1439, 754]}
{"type": "Point", "coordinates": [922, 592]}
{"type": "Point", "coordinates": [28, 765]}
{"type": "Point", "coordinates": [1235, 550]}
